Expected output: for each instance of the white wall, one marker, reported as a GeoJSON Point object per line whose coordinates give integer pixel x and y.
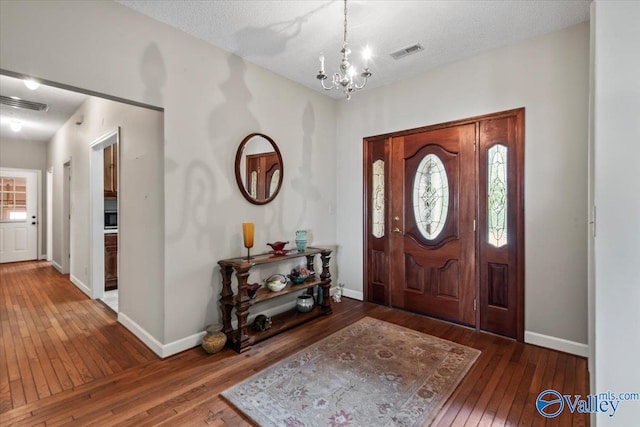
{"type": "Point", "coordinates": [212, 99]}
{"type": "Point", "coordinates": [549, 77]}
{"type": "Point", "coordinates": [21, 154]}
{"type": "Point", "coordinates": [617, 241]}
{"type": "Point", "coordinates": [141, 231]}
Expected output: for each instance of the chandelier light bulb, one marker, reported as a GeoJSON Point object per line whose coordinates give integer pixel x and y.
{"type": "Point", "coordinates": [31, 84]}
{"type": "Point", "coordinates": [366, 55]}
{"type": "Point", "coordinates": [16, 126]}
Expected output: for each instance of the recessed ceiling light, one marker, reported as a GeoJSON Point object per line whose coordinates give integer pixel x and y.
{"type": "Point", "coordinates": [31, 84]}
{"type": "Point", "coordinates": [15, 125]}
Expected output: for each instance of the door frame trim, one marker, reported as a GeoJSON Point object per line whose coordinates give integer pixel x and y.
{"type": "Point", "coordinates": [96, 192]}
{"type": "Point", "coordinates": [520, 205]}
{"type": "Point", "coordinates": [67, 207]}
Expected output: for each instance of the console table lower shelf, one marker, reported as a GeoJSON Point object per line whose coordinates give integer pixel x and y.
{"type": "Point", "coordinates": [280, 323]}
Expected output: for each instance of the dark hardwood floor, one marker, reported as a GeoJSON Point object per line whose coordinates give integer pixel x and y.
{"type": "Point", "coordinates": [64, 360]}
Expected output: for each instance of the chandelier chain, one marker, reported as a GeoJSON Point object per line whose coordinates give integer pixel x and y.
{"type": "Point", "coordinates": [344, 41]}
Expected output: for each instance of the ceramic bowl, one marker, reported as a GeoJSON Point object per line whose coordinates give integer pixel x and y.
{"type": "Point", "coordinates": [276, 282]}
{"type": "Point", "coordinates": [298, 280]}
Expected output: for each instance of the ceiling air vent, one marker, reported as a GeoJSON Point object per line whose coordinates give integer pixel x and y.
{"type": "Point", "coordinates": [12, 101]}
{"type": "Point", "coordinates": [398, 54]}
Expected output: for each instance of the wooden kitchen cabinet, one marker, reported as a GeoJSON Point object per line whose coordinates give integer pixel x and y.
{"type": "Point", "coordinates": [111, 172]}
{"type": "Point", "coordinates": [110, 261]}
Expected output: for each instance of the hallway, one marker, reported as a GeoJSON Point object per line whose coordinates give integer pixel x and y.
{"type": "Point", "coordinates": [54, 338]}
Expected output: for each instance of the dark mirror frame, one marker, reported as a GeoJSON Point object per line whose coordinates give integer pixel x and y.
{"type": "Point", "coordinates": [241, 185]}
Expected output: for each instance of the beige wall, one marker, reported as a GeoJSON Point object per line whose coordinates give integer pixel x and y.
{"type": "Point", "coordinates": [549, 77]}
{"type": "Point", "coordinates": [21, 154]}
{"type": "Point", "coordinates": [140, 199]}
{"type": "Point", "coordinates": [616, 100]}
{"type": "Point", "coordinates": [212, 99]}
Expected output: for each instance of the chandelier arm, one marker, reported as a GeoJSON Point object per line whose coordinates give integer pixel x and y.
{"type": "Point", "coordinates": [364, 83]}
{"type": "Point", "coordinates": [325, 87]}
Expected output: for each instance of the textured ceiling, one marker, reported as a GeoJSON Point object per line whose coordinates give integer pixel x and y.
{"type": "Point", "coordinates": [288, 36]}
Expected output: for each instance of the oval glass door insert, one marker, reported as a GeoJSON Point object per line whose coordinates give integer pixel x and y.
{"type": "Point", "coordinates": [430, 196]}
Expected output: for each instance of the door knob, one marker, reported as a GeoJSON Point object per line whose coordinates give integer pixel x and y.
{"type": "Point", "coordinates": [396, 230]}
{"type": "Point", "coordinates": [396, 218]}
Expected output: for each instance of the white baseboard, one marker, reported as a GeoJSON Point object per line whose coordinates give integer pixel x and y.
{"type": "Point", "coordinates": [144, 336]}
{"type": "Point", "coordinates": [195, 340]}
{"type": "Point", "coordinates": [555, 343]}
{"type": "Point", "coordinates": [57, 266]}
{"type": "Point", "coordinates": [43, 256]}
{"type": "Point", "coordinates": [353, 294]}
{"type": "Point", "coordinates": [84, 288]}
{"type": "Point", "coordinates": [162, 350]}
{"type": "Point", "coordinates": [166, 350]}
{"type": "Point", "coordinates": [182, 344]}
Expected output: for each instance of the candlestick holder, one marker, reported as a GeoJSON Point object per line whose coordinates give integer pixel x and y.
{"type": "Point", "coordinates": [247, 234]}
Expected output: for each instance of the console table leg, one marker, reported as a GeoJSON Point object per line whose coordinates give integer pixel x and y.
{"type": "Point", "coordinates": [325, 276]}
{"type": "Point", "coordinates": [242, 310]}
{"type": "Point", "coordinates": [226, 301]}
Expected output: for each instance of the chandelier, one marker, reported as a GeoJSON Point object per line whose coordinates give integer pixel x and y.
{"type": "Point", "coordinates": [345, 79]}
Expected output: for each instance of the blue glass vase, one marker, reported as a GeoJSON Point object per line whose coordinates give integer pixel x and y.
{"type": "Point", "coordinates": [301, 240]}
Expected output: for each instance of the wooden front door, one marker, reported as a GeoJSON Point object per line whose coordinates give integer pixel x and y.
{"type": "Point", "coordinates": [432, 238]}
{"type": "Point", "coordinates": [444, 221]}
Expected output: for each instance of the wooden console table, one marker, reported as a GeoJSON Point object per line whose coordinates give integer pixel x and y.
{"type": "Point", "coordinates": [242, 338]}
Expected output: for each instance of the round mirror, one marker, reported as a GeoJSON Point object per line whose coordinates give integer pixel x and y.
{"type": "Point", "coordinates": [259, 168]}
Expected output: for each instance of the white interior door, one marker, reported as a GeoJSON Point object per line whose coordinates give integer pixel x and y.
{"type": "Point", "coordinates": [18, 215]}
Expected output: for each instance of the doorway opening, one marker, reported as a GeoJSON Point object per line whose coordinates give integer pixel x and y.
{"type": "Point", "coordinates": [104, 204]}
{"type": "Point", "coordinates": [444, 221]}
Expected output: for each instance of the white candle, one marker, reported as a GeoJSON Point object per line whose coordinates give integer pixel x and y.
{"type": "Point", "coordinates": [366, 54]}
{"type": "Point", "coordinates": [322, 63]}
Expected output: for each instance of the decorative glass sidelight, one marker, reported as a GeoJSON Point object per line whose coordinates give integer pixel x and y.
{"type": "Point", "coordinates": [497, 195]}
{"type": "Point", "coordinates": [377, 197]}
{"type": "Point", "coordinates": [273, 185]}
{"type": "Point", "coordinates": [431, 196]}
{"type": "Point", "coordinates": [254, 184]}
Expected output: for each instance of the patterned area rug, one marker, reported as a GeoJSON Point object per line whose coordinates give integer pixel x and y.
{"type": "Point", "coordinates": [371, 373]}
